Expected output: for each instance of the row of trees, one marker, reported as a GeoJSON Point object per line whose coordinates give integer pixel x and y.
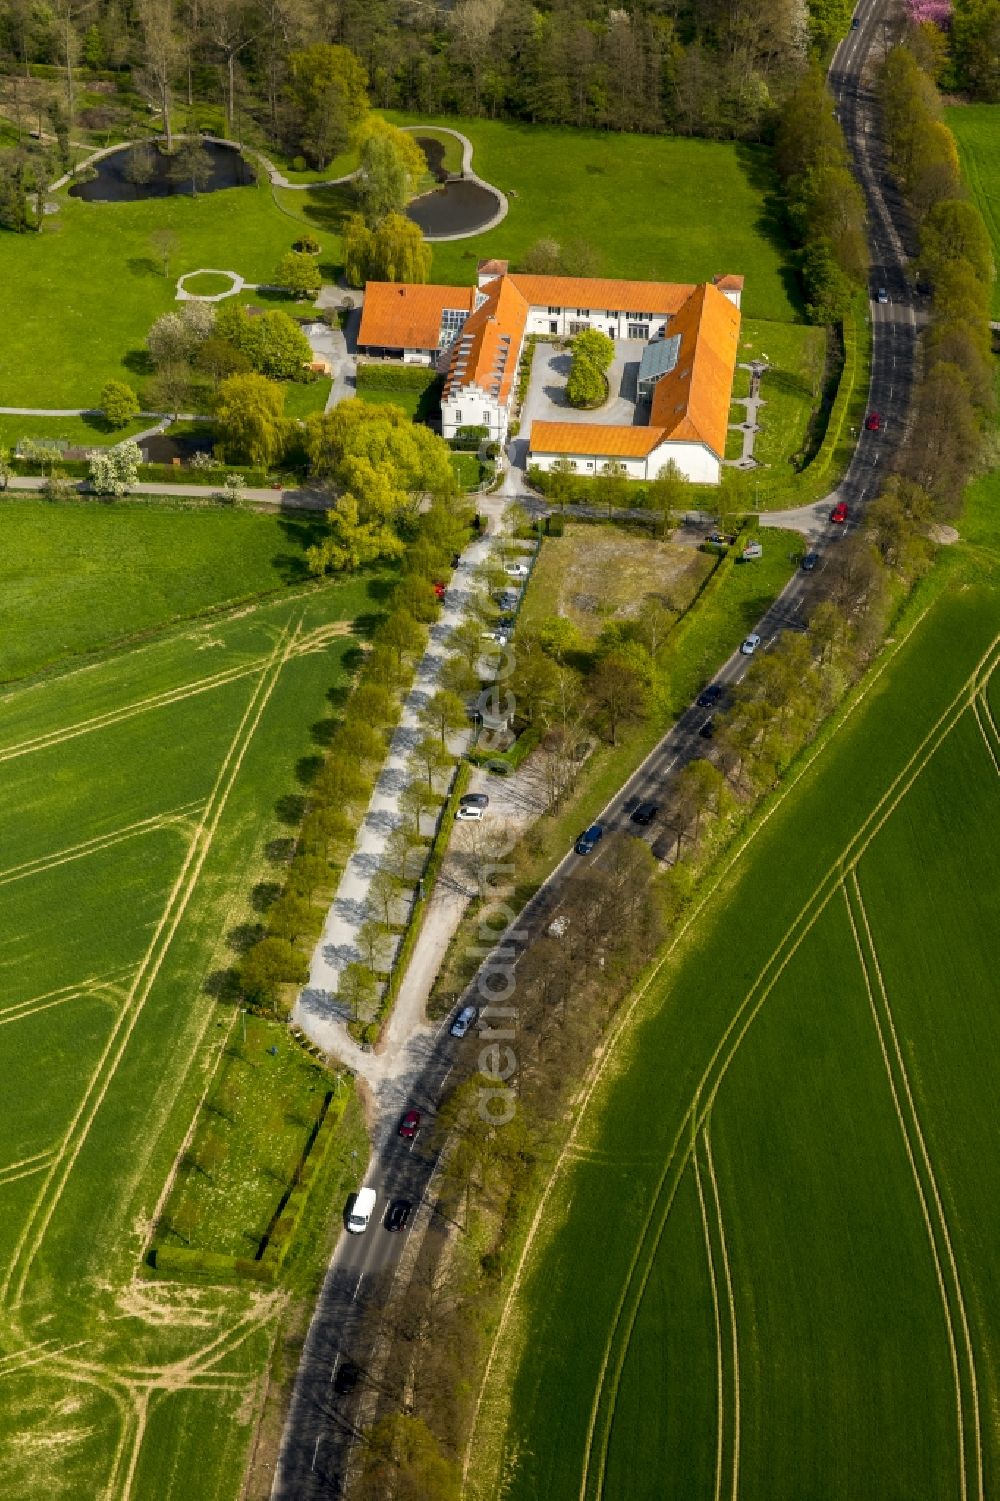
{"type": "Point", "coordinates": [823, 203]}
{"type": "Point", "coordinates": [339, 784]}
{"type": "Point", "coordinates": [955, 394]}
{"type": "Point", "coordinates": [305, 73]}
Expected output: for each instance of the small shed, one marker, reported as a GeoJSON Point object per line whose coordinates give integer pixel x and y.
{"type": "Point", "coordinates": [658, 359]}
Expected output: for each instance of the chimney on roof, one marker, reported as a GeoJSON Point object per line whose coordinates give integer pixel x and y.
{"type": "Point", "coordinates": [488, 271]}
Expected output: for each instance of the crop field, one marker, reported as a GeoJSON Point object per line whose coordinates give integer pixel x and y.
{"type": "Point", "coordinates": [142, 792]}
{"type": "Point", "coordinates": [977, 130]}
{"type": "Point", "coordinates": [781, 1195]}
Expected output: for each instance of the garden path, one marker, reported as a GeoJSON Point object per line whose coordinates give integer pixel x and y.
{"type": "Point", "coordinates": [750, 426]}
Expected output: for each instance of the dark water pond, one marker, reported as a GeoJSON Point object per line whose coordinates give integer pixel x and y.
{"type": "Point", "coordinates": [457, 208]}
{"type": "Point", "coordinates": [138, 172]}
{"type": "Point", "coordinates": [162, 449]}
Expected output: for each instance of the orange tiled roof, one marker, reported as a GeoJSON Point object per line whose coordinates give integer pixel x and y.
{"type": "Point", "coordinates": [486, 351]}
{"type": "Point", "coordinates": [598, 439]}
{"type": "Point", "coordinates": [728, 283]}
{"type": "Point", "coordinates": [402, 315]}
{"type": "Point", "coordinates": [602, 292]}
{"type": "Point", "coordinates": [691, 403]}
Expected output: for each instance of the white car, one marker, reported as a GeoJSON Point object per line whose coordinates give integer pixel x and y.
{"type": "Point", "coordinates": [558, 926]}
{"type": "Point", "coordinates": [516, 570]}
{"type": "Point", "coordinates": [499, 637]}
{"type": "Point", "coordinates": [469, 813]}
{"type": "Point", "coordinates": [750, 645]}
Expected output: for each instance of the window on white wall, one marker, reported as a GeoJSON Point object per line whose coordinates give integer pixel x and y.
{"type": "Point", "coordinates": [458, 416]}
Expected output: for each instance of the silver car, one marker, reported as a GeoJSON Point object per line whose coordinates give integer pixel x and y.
{"type": "Point", "coordinates": [463, 1021]}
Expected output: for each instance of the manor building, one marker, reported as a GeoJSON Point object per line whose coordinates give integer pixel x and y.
{"type": "Point", "coordinates": [475, 335]}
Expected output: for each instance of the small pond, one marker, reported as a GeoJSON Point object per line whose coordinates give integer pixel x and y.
{"type": "Point", "coordinates": [458, 208]}
{"type": "Point", "coordinates": [160, 448]}
{"type": "Point", "coordinates": [144, 171]}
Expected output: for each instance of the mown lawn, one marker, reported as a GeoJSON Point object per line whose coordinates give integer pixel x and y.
{"type": "Point", "coordinates": [790, 390]}
{"type": "Point", "coordinates": [77, 300]}
{"type": "Point", "coordinates": [142, 795]}
{"type": "Point", "coordinates": [977, 130]}
{"type": "Point", "coordinates": [840, 1334]}
{"type": "Point", "coordinates": [652, 207]}
{"type": "Point", "coordinates": [76, 577]}
{"type": "Point", "coordinates": [78, 432]}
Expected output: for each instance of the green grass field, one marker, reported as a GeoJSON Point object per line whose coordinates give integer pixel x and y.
{"type": "Point", "coordinates": [141, 791]}
{"type": "Point", "coordinates": [76, 577]}
{"type": "Point", "coordinates": [781, 1203]}
{"type": "Point", "coordinates": [977, 131]}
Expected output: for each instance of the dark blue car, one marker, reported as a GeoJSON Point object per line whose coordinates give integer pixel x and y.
{"type": "Point", "coordinates": [587, 841]}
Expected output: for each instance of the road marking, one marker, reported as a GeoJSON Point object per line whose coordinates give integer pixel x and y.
{"type": "Point", "coordinates": [445, 1079]}
{"type": "Point", "coordinates": [333, 1368]}
{"type": "Point", "coordinates": [316, 1452]}
{"type": "Point", "coordinates": [354, 1294]}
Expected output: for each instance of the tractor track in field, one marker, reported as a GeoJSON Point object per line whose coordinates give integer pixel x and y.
{"type": "Point", "coordinates": [720, 1364]}
{"type": "Point", "coordinates": [155, 701]}
{"type": "Point", "coordinates": [718, 1065]}
{"type": "Point", "coordinates": [734, 1343]}
{"type": "Point", "coordinates": [987, 725]}
{"type": "Point", "coordinates": [92, 987]}
{"type": "Point", "coordinates": [33, 1231]}
{"type": "Point", "coordinates": [929, 1195]}
{"type": "Point", "coordinates": [173, 816]}
{"type": "Point", "coordinates": [25, 1168]}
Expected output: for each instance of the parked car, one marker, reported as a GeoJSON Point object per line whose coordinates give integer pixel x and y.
{"type": "Point", "coordinates": [882, 295]}
{"type": "Point", "coordinates": [508, 600]}
{"type": "Point", "coordinates": [645, 813]}
{"type": "Point", "coordinates": [439, 589]}
{"type": "Point", "coordinates": [718, 537]}
{"type": "Point", "coordinates": [463, 1021]}
{"type": "Point", "coordinates": [752, 550]}
{"type": "Point", "coordinates": [516, 570]}
{"type": "Point", "coordinates": [500, 638]}
{"type": "Point", "coordinates": [839, 513]}
{"type": "Point", "coordinates": [708, 728]}
{"type": "Point", "coordinates": [474, 800]}
{"type": "Point", "coordinates": [710, 696]}
{"type": "Point", "coordinates": [469, 813]}
{"type": "Point", "coordinates": [410, 1125]}
{"type": "Point", "coordinates": [346, 1379]}
{"type": "Point", "coordinates": [873, 422]}
{"type": "Point", "coordinates": [750, 645]}
{"type": "Point", "coordinates": [589, 839]}
{"type": "Point", "coordinates": [399, 1214]}
{"type": "Point", "coordinates": [558, 927]}
{"type": "Point", "coordinates": [809, 561]}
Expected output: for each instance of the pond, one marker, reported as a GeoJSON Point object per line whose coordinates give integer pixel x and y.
{"type": "Point", "coordinates": [144, 171]}
{"type": "Point", "coordinates": [458, 208]}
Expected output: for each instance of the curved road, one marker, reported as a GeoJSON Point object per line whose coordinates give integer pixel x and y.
{"type": "Point", "coordinates": [337, 1389]}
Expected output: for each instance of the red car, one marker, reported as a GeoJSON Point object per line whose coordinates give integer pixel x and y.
{"type": "Point", "coordinates": [873, 422]}
{"type": "Point", "coordinates": [410, 1124]}
{"type": "Point", "coordinates": [439, 589]}
{"type": "Point", "coordinates": [839, 512]}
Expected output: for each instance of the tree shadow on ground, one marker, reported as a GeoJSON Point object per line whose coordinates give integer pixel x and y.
{"type": "Point", "coordinates": [291, 808]}
{"type": "Point", "coordinates": [244, 936]}
{"type": "Point", "coordinates": [755, 164]}
{"type": "Point", "coordinates": [143, 265]}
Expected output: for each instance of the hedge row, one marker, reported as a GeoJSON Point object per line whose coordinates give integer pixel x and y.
{"type": "Point", "coordinates": [842, 401]}
{"type": "Point", "coordinates": [395, 377]}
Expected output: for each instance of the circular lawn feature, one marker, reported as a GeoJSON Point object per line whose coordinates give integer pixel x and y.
{"type": "Point", "coordinates": [209, 283]}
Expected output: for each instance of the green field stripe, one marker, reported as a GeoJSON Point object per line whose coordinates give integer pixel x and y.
{"type": "Point", "coordinates": [594, 1465]}
{"type": "Point", "coordinates": [967, 1406]}
{"type": "Point", "coordinates": [128, 711]}
{"type": "Point", "coordinates": [33, 1231]}
{"type": "Point", "coordinates": [100, 842]}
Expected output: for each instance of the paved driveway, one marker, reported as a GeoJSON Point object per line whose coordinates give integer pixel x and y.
{"type": "Point", "coordinates": [546, 399]}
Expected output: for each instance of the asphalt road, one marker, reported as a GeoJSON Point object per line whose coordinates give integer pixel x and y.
{"type": "Point", "coordinates": [323, 1420]}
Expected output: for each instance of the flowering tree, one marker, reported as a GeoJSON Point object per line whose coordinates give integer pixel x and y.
{"type": "Point", "coordinates": [929, 13]}
{"type": "Point", "coordinates": [113, 471]}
